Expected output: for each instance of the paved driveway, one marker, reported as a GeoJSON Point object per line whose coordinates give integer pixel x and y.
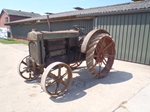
{"type": "Point", "coordinates": [126, 88]}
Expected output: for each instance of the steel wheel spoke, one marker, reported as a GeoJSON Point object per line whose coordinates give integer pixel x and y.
{"type": "Point", "coordinates": [64, 75]}
{"type": "Point", "coordinates": [63, 82]}
{"type": "Point", "coordinates": [59, 70]}
{"type": "Point", "coordinates": [57, 86]}
{"type": "Point", "coordinates": [105, 63]}
{"type": "Point", "coordinates": [23, 71]}
{"type": "Point", "coordinates": [108, 46]}
{"type": "Point", "coordinates": [102, 43]}
{"type": "Point", "coordinates": [24, 63]}
{"type": "Point", "coordinates": [53, 76]}
{"type": "Point", "coordinates": [105, 60]}
{"type": "Point", "coordinates": [50, 83]}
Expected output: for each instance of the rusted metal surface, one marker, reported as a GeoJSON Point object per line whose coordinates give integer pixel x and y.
{"type": "Point", "coordinates": [27, 69]}
{"type": "Point", "coordinates": [61, 51]}
{"type": "Point", "coordinates": [35, 35]}
{"type": "Point", "coordinates": [88, 36]}
{"type": "Point", "coordinates": [100, 55]}
{"type": "Point", "coordinates": [56, 79]}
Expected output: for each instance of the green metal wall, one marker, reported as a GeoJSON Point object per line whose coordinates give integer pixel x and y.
{"type": "Point", "coordinates": [131, 33]}
{"type": "Point", "coordinates": [66, 25]}
{"type": "Point", "coordinates": [22, 30]}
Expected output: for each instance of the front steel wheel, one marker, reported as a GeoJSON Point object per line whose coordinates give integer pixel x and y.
{"type": "Point", "coordinates": [25, 71]}
{"type": "Point", "coordinates": [56, 79]}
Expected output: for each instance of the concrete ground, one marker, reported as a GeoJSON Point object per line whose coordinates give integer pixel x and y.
{"type": "Point", "coordinates": [125, 89]}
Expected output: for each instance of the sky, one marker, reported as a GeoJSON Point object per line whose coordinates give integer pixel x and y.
{"type": "Point", "coordinates": [55, 6]}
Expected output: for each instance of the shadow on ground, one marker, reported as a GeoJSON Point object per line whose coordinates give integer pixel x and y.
{"type": "Point", "coordinates": [86, 81]}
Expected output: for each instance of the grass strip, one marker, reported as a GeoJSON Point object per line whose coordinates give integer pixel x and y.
{"type": "Point", "coordinates": [12, 41]}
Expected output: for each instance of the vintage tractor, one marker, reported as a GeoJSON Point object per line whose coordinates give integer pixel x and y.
{"type": "Point", "coordinates": [54, 54]}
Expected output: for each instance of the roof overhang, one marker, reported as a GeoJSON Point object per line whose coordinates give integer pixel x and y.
{"type": "Point", "coordinates": [44, 20]}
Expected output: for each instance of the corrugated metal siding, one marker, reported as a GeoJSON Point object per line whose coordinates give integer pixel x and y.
{"type": "Point", "coordinates": [131, 33]}
{"type": "Point", "coordinates": [66, 25]}
{"type": "Point", "coordinates": [22, 30]}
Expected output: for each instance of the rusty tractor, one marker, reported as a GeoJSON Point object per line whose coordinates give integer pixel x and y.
{"type": "Point", "coordinates": [54, 54]}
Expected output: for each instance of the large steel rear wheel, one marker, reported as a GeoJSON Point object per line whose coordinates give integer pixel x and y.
{"type": "Point", "coordinates": [56, 79]}
{"type": "Point", "coordinates": [100, 54]}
